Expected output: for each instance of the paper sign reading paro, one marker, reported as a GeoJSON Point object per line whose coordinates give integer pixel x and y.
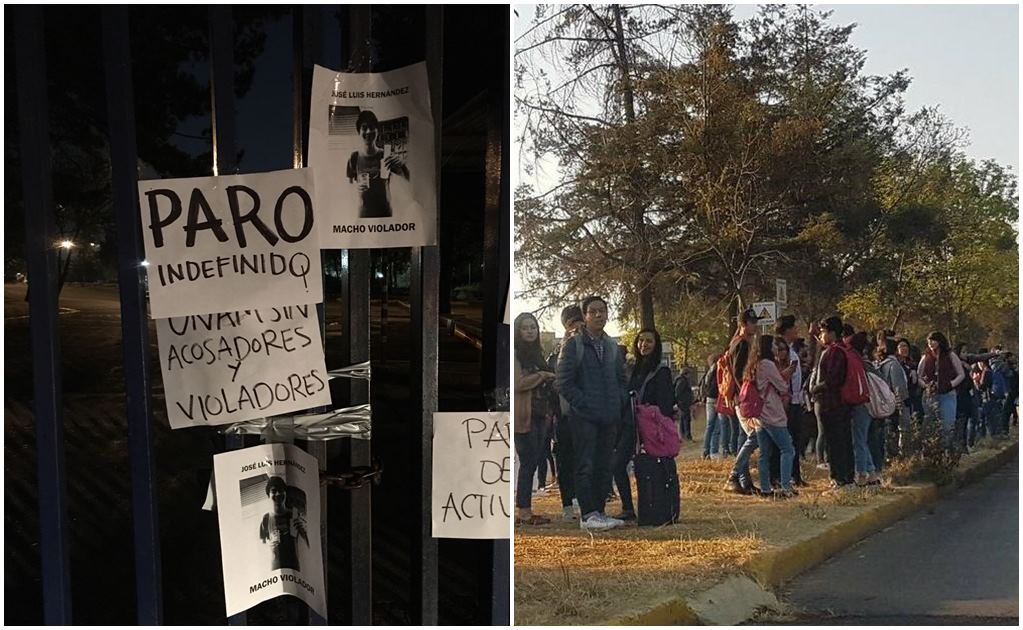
{"type": "Point", "coordinates": [471, 475]}
{"type": "Point", "coordinates": [230, 367]}
{"type": "Point", "coordinates": [268, 506]}
{"type": "Point", "coordinates": [229, 243]}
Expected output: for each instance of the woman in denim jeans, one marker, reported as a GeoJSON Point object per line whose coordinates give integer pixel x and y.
{"type": "Point", "coordinates": [772, 424]}
{"type": "Point", "coordinates": [940, 372]}
{"type": "Point", "coordinates": [863, 461]}
{"type": "Point", "coordinates": [709, 395]}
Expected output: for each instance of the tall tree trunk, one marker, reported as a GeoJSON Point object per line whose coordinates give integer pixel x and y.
{"type": "Point", "coordinates": [636, 208]}
{"type": "Point", "coordinates": [646, 304]}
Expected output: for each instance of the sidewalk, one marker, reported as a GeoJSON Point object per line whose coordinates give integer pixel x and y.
{"type": "Point", "coordinates": [661, 576]}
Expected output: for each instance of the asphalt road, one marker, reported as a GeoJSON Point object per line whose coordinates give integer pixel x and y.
{"type": "Point", "coordinates": [954, 563]}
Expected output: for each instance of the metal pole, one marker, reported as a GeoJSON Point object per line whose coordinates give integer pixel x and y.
{"type": "Point", "coordinates": [223, 132]}
{"type": "Point", "coordinates": [306, 50]}
{"type": "Point", "coordinates": [497, 276]}
{"type": "Point", "coordinates": [355, 265]}
{"type": "Point", "coordinates": [134, 323]}
{"type": "Point", "coordinates": [424, 298]}
{"type": "Point", "coordinates": [40, 234]}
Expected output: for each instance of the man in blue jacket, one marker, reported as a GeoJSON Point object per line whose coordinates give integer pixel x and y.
{"type": "Point", "coordinates": [591, 377]}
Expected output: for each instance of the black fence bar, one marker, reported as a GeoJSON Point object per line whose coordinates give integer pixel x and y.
{"type": "Point", "coordinates": [305, 48]}
{"type": "Point", "coordinates": [355, 289]}
{"type": "Point", "coordinates": [222, 126]}
{"type": "Point", "coordinates": [222, 89]}
{"type": "Point", "coordinates": [497, 276]}
{"type": "Point", "coordinates": [41, 254]}
{"type": "Point", "coordinates": [134, 323]}
{"type": "Point", "coordinates": [424, 294]}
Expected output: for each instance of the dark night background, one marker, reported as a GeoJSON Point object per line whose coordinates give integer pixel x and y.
{"type": "Point", "coordinates": [172, 104]}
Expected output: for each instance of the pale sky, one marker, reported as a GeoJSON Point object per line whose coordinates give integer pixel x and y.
{"type": "Point", "coordinates": [962, 58]}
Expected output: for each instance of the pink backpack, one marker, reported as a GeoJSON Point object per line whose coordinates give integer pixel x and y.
{"type": "Point", "coordinates": [657, 433]}
{"type": "Point", "coordinates": [751, 403]}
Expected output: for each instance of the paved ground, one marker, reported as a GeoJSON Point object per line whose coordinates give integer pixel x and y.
{"type": "Point", "coordinates": [955, 563]}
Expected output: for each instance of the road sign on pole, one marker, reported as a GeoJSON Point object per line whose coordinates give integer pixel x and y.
{"type": "Point", "coordinates": [781, 291]}
{"type": "Point", "coordinates": [766, 311]}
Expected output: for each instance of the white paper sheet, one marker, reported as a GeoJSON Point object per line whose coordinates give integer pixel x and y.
{"type": "Point", "coordinates": [472, 471]}
{"type": "Point", "coordinates": [228, 243]}
{"type": "Point", "coordinates": [268, 505]}
{"type": "Point", "coordinates": [371, 144]}
{"type": "Point", "coordinates": [229, 367]}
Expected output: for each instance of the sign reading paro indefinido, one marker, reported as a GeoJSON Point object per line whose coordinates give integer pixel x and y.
{"type": "Point", "coordinates": [221, 368]}
{"type": "Point", "coordinates": [235, 242]}
{"type": "Point", "coordinates": [371, 144]}
{"type": "Point", "coordinates": [471, 475]}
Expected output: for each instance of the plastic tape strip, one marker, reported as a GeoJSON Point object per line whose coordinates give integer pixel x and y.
{"type": "Point", "coordinates": [348, 422]}
{"type": "Point", "coordinates": [360, 370]}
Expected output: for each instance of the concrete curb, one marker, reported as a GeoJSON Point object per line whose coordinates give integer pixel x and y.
{"type": "Point", "coordinates": [773, 568]}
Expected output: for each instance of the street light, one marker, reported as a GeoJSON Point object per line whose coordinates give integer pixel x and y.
{"type": "Point", "coordinates": [66, 244]}
{"type": "Point", "coordinates": [144, 263]}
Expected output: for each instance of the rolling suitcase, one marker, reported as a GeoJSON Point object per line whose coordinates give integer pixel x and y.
{"type": "Point", "coordinates": [657, 487]}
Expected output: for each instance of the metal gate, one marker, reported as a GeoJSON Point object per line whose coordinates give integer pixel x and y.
{"type": "Point", "coordinates": [348, 513]}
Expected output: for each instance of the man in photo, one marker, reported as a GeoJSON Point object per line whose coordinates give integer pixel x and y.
{"type": "Point", "coordinates": [370, 169]}
{"type": "Point", "coordinates": [282, 526]}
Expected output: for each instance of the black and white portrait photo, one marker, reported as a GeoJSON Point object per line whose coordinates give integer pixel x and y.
{"type": "Point", "coordinates": [379, 161]}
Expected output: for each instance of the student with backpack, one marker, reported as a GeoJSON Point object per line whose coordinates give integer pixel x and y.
{"type": "Point", "coordinates": [684, 404]}
{"type": "Point", "coordinates": [731, 367]}
{"type": "Point", "coordinates": [764, 401]}
{"type": "Point", "coordinates": [591, 377]}
{"type": "Point", "coordinates": [564, 450]}
{"type": "Point", "coordinates": [866, 471]}
{"type": "Point", "coordinates": [786, 333]}
{"type": "Point", "coordinates": [891, 370]}
{"type": "Point", "coordinates": [716, 425]}
{"type": "Point", "coordinates": [832, 408]}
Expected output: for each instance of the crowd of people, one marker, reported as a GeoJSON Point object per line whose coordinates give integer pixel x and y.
{"type": "Point", "coordinates": [863, 393]}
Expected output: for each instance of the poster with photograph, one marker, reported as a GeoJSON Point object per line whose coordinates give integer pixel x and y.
{"type": "Point", "coordinates": [221, 368]}
{"type": "Point", "coordinates": [268, 505]}
{"type": "Point", "coordinates": [217, 244]}
{"type": "Point", "coordinates": [371, 145]}
{"type": "Point", "coordinates": [472, 470]}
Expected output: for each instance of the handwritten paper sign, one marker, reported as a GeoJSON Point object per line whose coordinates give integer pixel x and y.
{"type": "Point", "coordinates": [268, 505]}
{"type": "Point", "coordinates": [371, 144]}
{"type": "Point", "coordinates": [229, 243]}
{"type": "Point", "coordinates": [230, 367]}
{"type": "Point", "coordinates": [471, 475]}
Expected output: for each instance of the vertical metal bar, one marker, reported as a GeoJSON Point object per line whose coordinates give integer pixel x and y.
{"type": "Point", "coordinates": [497, 270]}
{"type": "Point", "coordinates": [222, 124]}
{"type": "Point", "coordinates": [40, 236]}
{"type": "Point", "coordinates": [305, 51]}
{"type": "Point", "coordinates": [424, 297]}
{"type": "Point", "coordinates": [134, 323]}
{"type": "Point", "coordinates": [355, 265]}
{"type": "Point", "coordinates": [222, 89]}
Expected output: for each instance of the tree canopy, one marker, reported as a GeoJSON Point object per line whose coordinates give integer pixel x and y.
{"type": "Point", "coordinates": [682, 160]}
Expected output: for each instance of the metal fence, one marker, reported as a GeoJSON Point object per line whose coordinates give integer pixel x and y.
{"type": "Point", "coordinates": [349, 513]}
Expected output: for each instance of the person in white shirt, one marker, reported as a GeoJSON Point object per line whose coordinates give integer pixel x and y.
{"type": "Point", "coordinates": [786, 329]}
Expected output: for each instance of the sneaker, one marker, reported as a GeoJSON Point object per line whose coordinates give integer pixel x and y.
{"type": "Point", "coordinates": [568, 514]}
{"type": "Point", "coordinates": [594, 523]}
{"type": "Point", "coordinates": [615, 522]}
{"type": "Point", "coordinates": [733, 485]}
